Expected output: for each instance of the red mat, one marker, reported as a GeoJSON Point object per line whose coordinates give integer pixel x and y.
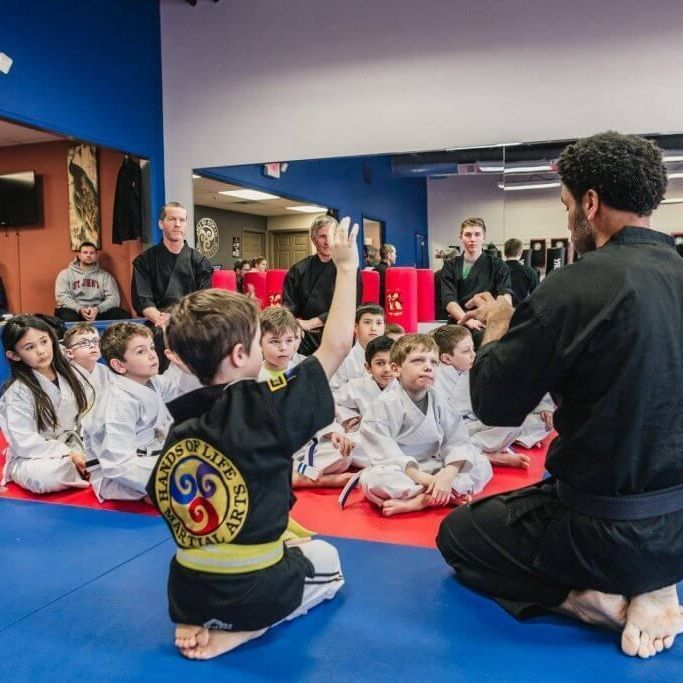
{"type": "Point", "coordinates": [318, 509]}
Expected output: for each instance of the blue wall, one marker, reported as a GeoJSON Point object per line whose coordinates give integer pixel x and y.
{"type": "Point", "coordinates": [90, 69]}
{"type": "Point", "coordinates": [338, 183]}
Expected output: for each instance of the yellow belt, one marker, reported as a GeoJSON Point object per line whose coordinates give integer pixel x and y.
{"type": "Point", "coordinates": [233, 558]}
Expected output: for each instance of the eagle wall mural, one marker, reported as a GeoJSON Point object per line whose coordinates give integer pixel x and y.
{"type": "Point", "coordinates": [84, 206]}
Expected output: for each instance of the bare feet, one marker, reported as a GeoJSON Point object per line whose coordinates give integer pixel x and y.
{"type": "Point", "coordinates": [396, 507]}
{"type": "Point", "coordinates": [188, 637]}
{"type": "Point", "coordinates": [220, 642]}
{"type": "Point", "coordinates": [509, 459]}
{"type": "Point", "coordinates": [653, 620]}
{"type": "Point", "coordinates": [599, 609]}
{"type": "Point", "coordinates": [330, 481]}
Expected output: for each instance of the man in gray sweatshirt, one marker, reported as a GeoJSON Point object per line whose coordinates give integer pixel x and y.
{"type": "Point", "coordinates": [83, 291]}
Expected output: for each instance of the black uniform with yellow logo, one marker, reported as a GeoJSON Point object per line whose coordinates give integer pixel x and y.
{"type": "Point", "coordinates": [223, 485]}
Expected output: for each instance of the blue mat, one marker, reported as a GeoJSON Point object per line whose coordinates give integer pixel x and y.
{"type": "Point", "coordinates": [401, 616]}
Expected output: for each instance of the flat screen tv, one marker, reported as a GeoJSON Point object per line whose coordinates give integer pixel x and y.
{"type": "Point", "coordinates": [19, 199]}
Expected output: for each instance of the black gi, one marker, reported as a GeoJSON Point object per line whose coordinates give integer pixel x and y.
{"type": "Point", "coordinates": [160, 277]}
{"type": "Point", "coordinates": [523, 280]}
{"type": "Point", "coordinates": [253, 429]}
{"type": "Point", "coordinates": [308, 289]}
{"type": "Point", "coordinates": [604, 336]}
{"type": "Point", "coordinates": [488, 274]}
{"type": "Point", "coordinates": [127, 223]}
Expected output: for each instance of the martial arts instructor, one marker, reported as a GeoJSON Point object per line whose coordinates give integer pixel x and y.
{"type": "Point", "coordinates": [309, 285]}
{"type": "Point", "coordinates": [601, 540]}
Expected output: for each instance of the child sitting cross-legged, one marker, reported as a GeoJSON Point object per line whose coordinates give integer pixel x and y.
{"type": "Point", "coordinates": [324, 461]}
{"type": "Point", "coordinates": [354, 398]}
{"type": "Point", "coordinates": [418, 447]}
{"type": "Point", "coordinates": [82, 347]}
{"type": "Point", "coordinates": [125, 432]}
{"type": "Point", "coordinates": [223, 481]}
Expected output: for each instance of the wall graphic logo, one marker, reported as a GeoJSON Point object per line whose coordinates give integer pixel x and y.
{"type": "Point", "coordinates": [207, 237]}
{"type": "Point", "coordinates": [201, 494]}
{"type": "Point", "coordinates": [394, 305]}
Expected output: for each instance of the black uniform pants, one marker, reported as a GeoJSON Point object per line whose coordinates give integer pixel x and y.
{"type": "Point", "coordinates": [493, 551]}
{"type": "Point", "coordinates": [69, 315]}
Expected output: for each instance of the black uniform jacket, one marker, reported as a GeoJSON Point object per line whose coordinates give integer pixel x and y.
{"type": "Point", "coordinates": [225, 476]}
{"type": "Point", "coordinates": [523, 279]}
{"type": "Point", "coordinates": [160, 278]}
{"type": "Point", "coordinates": [605, 337]}
{"type": "Point", "coordinates": [488, 274]}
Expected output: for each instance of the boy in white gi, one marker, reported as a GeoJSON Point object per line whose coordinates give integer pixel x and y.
{"type": "Point", "coordinates": [82, 347]}
{"type": "Point", "coordinates": [125, 432]}
{"type": "Point", "coordinates": [223, 482]}
{"type": "Point", "coordinates": [369, 325]}
{"type": "Point", "coordinates": [354, 398]}
{"type": "Point", "coordinates": [456, 356]}
{"type": "Point", "coordinates": [418, 446]}
{"type": "Point", "coordinates": [324, 461]}
{"type": "Point", "coordinates": [41, 408]}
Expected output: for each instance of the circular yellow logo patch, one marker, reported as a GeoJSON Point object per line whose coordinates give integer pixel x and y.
{"type": "Point", "coordinates": [201, 494]}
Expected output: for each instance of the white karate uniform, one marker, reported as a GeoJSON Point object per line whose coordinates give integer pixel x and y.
{"type": "Point", "coordinates": [533, 427]}
{"type": "Point", "coordinates": [39, 461]}
{"type": "Point", "coordinates": [100, 377]}
{"type": "Point", "coordinates": [455, 386]}
{"type": "Point", "coordinates": [353, 399]}
{"type": "Point", "coordinates": [352, 366]}
{"type": "Point", "coordinates": [319, 456]}
{"type": "Point", "coordinates": [126, 432]}
{"type": "Point", "coordinates": [395, 434]}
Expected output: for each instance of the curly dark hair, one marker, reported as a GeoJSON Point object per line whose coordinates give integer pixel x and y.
{"type": "Point", "coordinates": [626, 171]}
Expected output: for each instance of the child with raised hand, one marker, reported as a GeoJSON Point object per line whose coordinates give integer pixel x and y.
{"type": "Point", "coordinates": [324, 461]}
{"type": "Point", "coordinates": [369, 325]}
{"type": "Point", "coordinates": [418, 447]}
{"type": "Point", "coordinates": [223, 482]}
{"type": "Point", "coordinates": [41, 408]}
{"type": "Point", "coordinates": [82, 347]}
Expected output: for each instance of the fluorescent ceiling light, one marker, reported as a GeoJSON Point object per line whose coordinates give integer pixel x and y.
{"type": "Point", "coordinates": [527, 186]}
{"type": "Point", "coordinates": [675, 157]}
{"type": "Point", "coordinates": [307, 208]}
{"type": "Point", "coordinates": [253, 195]}
{"type": "Point", "coordinates": [491, 169]}
{"type": "Point", "coordinates": [195, 176]}
{"type": "Point", "coordinates": [673, 200]}
{"type": "Point", "coordinates": [529, 169]}
{"type": "Point", "coordinates": [674, 175]}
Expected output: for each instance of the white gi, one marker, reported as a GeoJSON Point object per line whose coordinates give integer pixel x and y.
{"type": "Point", "coordinates": [100, 377]}
{"type": "Point", "coordinates": [395, 433]}
{"type": "Point", "coordinates": [533, 427]}
{"type": "Point", "coordinates": [352, 366]}
{"type": "Point", "coordinates": [126, 432]}
{"type": "Point", "coordinates": [39, 461]}
{"type": "Point", "coordinates": [353, 399]}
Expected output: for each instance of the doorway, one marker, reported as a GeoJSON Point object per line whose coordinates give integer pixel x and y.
{"type": "Point", "coordinates": [373, 239]}
{"type": "Point", "coordinates": [287, 247]}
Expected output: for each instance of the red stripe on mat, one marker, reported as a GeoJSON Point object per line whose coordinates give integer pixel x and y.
{"type": "Point", "coordinates": [318, 509]}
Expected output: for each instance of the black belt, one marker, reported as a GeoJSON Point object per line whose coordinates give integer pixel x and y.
{"type": "Point", "coordinates": [635, 506]}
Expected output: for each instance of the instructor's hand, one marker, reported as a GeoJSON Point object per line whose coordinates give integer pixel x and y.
{"type": "Point", "coordinates": [343, 244]}
{"type": "Point", "coordinates": [483, 307]}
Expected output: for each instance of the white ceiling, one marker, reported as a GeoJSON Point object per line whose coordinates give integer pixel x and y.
{"type": "Point", "coordinates": [13, 134]}
{"type": "Point", "coordinates": [206, 194]}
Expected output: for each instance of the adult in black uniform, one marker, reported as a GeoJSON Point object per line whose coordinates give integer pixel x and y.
{"type": "Point", "coordinates": [387, 258]}
{"type": "Point", "coordinates": [471, 273]}
{"type": "Point", "coordinates": [601, 540]}
{"type": "Point", "coordinates": [523, 278]}
{"type": "Point", "coordinates": [166, 272]}
{"type": "Point", "coordinates": [309, 285]}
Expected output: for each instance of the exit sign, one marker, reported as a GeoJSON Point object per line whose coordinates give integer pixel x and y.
{"type": "Point", "coordinates": [272, 170]}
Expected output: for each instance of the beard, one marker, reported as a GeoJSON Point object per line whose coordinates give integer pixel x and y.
{"type": "Point", "coordinates": [583, 236]}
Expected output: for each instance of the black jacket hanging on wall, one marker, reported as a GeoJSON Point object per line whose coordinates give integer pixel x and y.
{"type": "Point", "coordinates": [128, 202]}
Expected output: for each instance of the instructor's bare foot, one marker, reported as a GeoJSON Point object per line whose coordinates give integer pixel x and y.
{"type": "Point", "coordinates": [396, 507]}
{"type": "Point", "coordinates": [599, 609]}
{"type": "Point", "coordinates": [509, 459]}
{"type": "Point", "coordinates": [188, 637]}
{"type": "Point", "coordinates": [653, 620]}
{"type": "Point", "coordinates": [220, 642]}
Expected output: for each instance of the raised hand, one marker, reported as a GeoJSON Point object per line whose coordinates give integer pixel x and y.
{"type": "Point", "coordinates": [343, 244]}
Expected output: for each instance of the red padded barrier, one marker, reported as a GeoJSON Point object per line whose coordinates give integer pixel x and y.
{"type": "Point", "coordinates": [224, 279]}
{"type": "Point", "coordinates": [257, 280]}
{"type": "Point", "coordinates": [425, 295]}
{"type": "Point", "coordinates": [401, 297]}
{"type": "Point", "coordinates": [275, 280]}
{"type": "Point", "coordinates": [370, 279]}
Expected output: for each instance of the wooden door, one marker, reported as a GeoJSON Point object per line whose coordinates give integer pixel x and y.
{"type": "Point", "coordinates": [288, 247]}
{"type": "Point", "coordinates": [253, 244]}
